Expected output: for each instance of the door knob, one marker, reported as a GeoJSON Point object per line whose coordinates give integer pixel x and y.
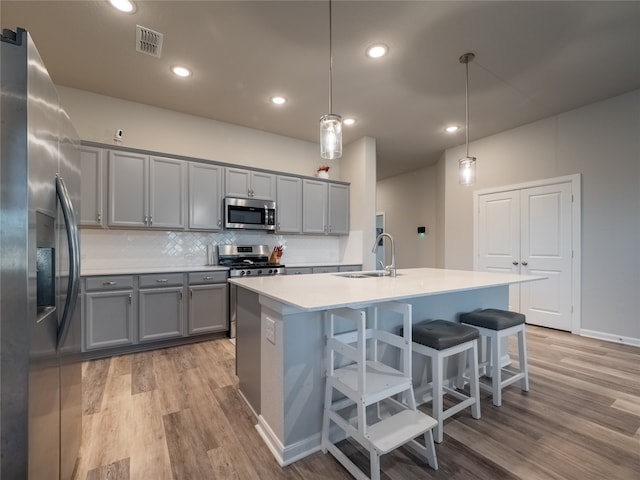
{"type": "Point", "coordinates": [525, 263]}
{"type": "Point", "coordinates": [515, 263]}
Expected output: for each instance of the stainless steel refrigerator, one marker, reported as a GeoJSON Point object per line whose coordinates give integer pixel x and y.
{"type": "Point", "coordinates": [40, 370]}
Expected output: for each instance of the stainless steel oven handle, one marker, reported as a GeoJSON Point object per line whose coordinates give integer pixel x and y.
{"type": "Point", "coordinates": [73, 288]}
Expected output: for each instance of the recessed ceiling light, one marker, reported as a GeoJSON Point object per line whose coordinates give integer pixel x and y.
{"type": "Point", "coordinates": [452, 128]}
{"type": "Point", "coordinates": [181, 71]}
{"type": "Point", "coordinates": [126, 6]}
{"type": "Point", "coordinates": [349, 121]}
{"type": "Point", "coordinates": [378, 50]}
{"type": "Point", "coordinates": [278, 100]}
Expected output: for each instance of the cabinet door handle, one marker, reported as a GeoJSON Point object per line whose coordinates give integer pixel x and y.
{"type": "Point", "coordinates": [515, 263]}
{"type": "Point", "coordinates": [99, 217]}
{"type": "Point", "coordinates": [525, 263]}
{"type": "Point", "coordinates": [180, 295]}
{"type": "Point", "coordinates": [111, 283]}
{"type": "Point", "coordinates": [208, 278]}
{"type": "Point", "coordinates": [162, 280]}
{"type": "Point", "coordinates": [219, 223]}
{"type": "Point", "coordinates": [146, 219]}
{"type": "Point", "coordinates": [150, 220]}
{"type": "Point", "coordinates": [129, 298]}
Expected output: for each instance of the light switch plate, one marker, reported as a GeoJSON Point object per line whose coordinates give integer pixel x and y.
{"type": "Point", "coordinates": [270, 330]}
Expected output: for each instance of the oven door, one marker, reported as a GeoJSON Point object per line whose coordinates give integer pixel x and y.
{"type": "Point", "coordinates": [249, 214]}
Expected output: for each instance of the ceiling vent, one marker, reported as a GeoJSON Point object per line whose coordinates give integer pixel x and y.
{"type": "Point", "coordinates": [148, 41]}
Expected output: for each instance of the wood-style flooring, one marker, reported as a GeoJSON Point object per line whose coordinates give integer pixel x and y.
{"type": "Point", "coordinates": [176, 414]}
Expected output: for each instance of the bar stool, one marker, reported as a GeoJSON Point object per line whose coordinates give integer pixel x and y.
{"type": "Point", "coordinates": [495, 325]}
{"type": "Point", "coordinates": [439, 340]}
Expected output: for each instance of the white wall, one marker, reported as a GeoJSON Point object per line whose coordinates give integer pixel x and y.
{"type": "Point", "coordinates": [96, 118]}
{"type": "Point", "coordinates": [409, 201]}
{"type": "Point", "coordinates": [359, 168]}
{"type": "Point", "coordinates": [600, 141]}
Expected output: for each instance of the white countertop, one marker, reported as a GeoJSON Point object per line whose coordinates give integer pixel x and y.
{"type": "Point", "coordinates": [330, 290]}
{"type": "Point", "coordinates": [92, 272]}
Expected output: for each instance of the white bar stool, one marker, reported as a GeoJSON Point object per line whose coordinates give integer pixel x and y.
{"type": "Point", "coordinates": [495, 325]}
{"type": "Point", "coordinates": [439, 340]}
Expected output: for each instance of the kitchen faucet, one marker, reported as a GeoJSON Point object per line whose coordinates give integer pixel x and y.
{"type": "Point", "coordinates": [390, 269]}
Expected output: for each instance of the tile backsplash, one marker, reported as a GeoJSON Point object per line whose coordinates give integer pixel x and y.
{"type": "Point", "coordinates": [145, 248]}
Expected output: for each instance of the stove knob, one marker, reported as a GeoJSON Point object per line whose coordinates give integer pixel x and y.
{"type": "Point", "coordinates": [259, 272]}
{"type": "Point", "coordinates": [242, 273]}
{"type": "Point", "coordinates": [248, 272]}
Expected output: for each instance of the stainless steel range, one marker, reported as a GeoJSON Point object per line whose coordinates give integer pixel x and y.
{"type": "Point", "coordinates": [245, 261]}
{"type": "Point", "coordinates": [248, 261]}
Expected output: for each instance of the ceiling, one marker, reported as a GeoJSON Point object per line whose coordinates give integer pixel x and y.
{"type": "Point", "coordinates": [533, 60]}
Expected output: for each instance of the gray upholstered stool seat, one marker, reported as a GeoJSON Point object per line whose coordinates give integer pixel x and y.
{"type": "Point", "coordinates": [493, 318]}
{"type": "Point", "coordinates": [438, 340]}
{"type": "Point", "coordinates": [440, 334]}
{"type": "Point", "coordinates": [496, 325]}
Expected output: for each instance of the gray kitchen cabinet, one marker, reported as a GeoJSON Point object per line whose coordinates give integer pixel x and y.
{"type": "Point", "coordinates": [109, 312]}
{"type": "Point", "coordinates": [167, 193]}
{"type": "Point", "coordinates": [350, 268]}
{"type": "Point", "coordinates": [161, 309]}
{"type": "Point", "coordinates": [249, 183]}
{"type": "Point", "coordinates": [325, 208]}
{"type": "Point", "coordinates": [298, 270]}
{"type": "Point", "coordinates": [289, 204]}
{"type": "Point", "coordinates": [205, 196]}
{"type": "Point", "coordinates": [146, 191]}
{"type": "Point", "coordinates": [338, 209]}
{"type": "Point", "coordinates": [314, 207]}
{"type": "Point", "coordinates": [208, 303]}
{"type": "Point", "coordinates": [325, 269]}
{"type": "Point", "coordinates": [92, 171]}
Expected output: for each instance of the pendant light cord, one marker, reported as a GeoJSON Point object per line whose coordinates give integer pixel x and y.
{"type": "Point", "coordinates": [466, 94]}
{"type": "Point", "coordinates": [330, 61]}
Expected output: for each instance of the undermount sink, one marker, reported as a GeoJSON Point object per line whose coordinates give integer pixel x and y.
{"type": "Point", "coordinates": [377, 273]}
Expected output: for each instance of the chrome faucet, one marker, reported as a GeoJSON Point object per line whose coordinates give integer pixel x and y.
{"type": "Point", "coordinates": [389, 269]}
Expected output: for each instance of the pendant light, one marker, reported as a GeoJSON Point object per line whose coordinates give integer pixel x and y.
{"type": "Point", "coordinates": [467, 165]}
{"type": "Point", "coordinates": [330, 124]}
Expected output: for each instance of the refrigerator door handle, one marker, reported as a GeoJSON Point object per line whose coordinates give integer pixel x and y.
{"type": "Point", "coordinates": [74, 259]}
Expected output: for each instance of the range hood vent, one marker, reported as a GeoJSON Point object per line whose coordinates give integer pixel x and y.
{"type": "Point", "coordinates": [148, 41]}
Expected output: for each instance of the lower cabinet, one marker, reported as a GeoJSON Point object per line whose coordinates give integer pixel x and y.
{"type": "Point", "coordinates": [109, 312]}
{"type": "Point", "coordinates": [127, 310]}
{"type": "Point", "coordinates": [207, 309]}
{"type": "Point", "coordinates": [161, 313]}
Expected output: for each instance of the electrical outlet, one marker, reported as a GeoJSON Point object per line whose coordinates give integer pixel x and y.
{"type": "Point", "coordinates": [270, 329]}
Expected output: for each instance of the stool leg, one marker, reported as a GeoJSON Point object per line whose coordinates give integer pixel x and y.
{"type": "Point", "coordinates": [496, 371]}
{"type": "Point", "coordinates": [436, 393]}
{"type": "Point", "coordinates": [474, 384]}
{"type": "Point", "coordinates": [524, 366]}
{"type": "Point", "coordinates": [462, 370]}
{"type": "Point", "coordinates": [374, 462]}
{"type": "Point", "coordinates": [430, 449]}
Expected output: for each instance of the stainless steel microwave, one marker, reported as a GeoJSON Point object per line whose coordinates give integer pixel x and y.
{"type": "Point", "coordinates": [249, 213]}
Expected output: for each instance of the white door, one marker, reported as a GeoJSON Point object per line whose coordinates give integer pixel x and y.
{"type": "Point", "coordinates": [529, 231]}
{"type": "Point", "coordinates": [499, 237]}
{"type": "Point", "coordinates": [546, 250]}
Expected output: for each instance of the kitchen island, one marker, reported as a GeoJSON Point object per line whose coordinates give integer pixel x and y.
{"type": "Point", "coordinates": [280, 336]}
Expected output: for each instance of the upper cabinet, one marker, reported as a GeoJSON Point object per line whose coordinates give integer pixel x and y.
{"type": "Point", "coordinates": [205, 196]}
{"type": "Point", "coordinates": [289, 204]}
{"type": "Point", "coordinates": [146, 191]}
{"type": "Point", "coordinates": [134, 189]}
{"type": "Point", "coordinates": [92, 171]}
{"type": "Point", "coordinates": [338, 209]}
{"type": "Point", "coordinates": [249, 183]}
{"type": "Point", "coordinates": [325, 208]}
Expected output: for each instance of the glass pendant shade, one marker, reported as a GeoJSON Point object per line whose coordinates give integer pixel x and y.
{"type": "Point", "coordinates": [467, 170]}
{"type": "Point", "coordinates": [331, 136]}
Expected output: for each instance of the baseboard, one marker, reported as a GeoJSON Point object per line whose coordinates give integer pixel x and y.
{"type": "Point", "coordinates": [608, 337]}
{"type": "Point", "coordinates": [291, 453]}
